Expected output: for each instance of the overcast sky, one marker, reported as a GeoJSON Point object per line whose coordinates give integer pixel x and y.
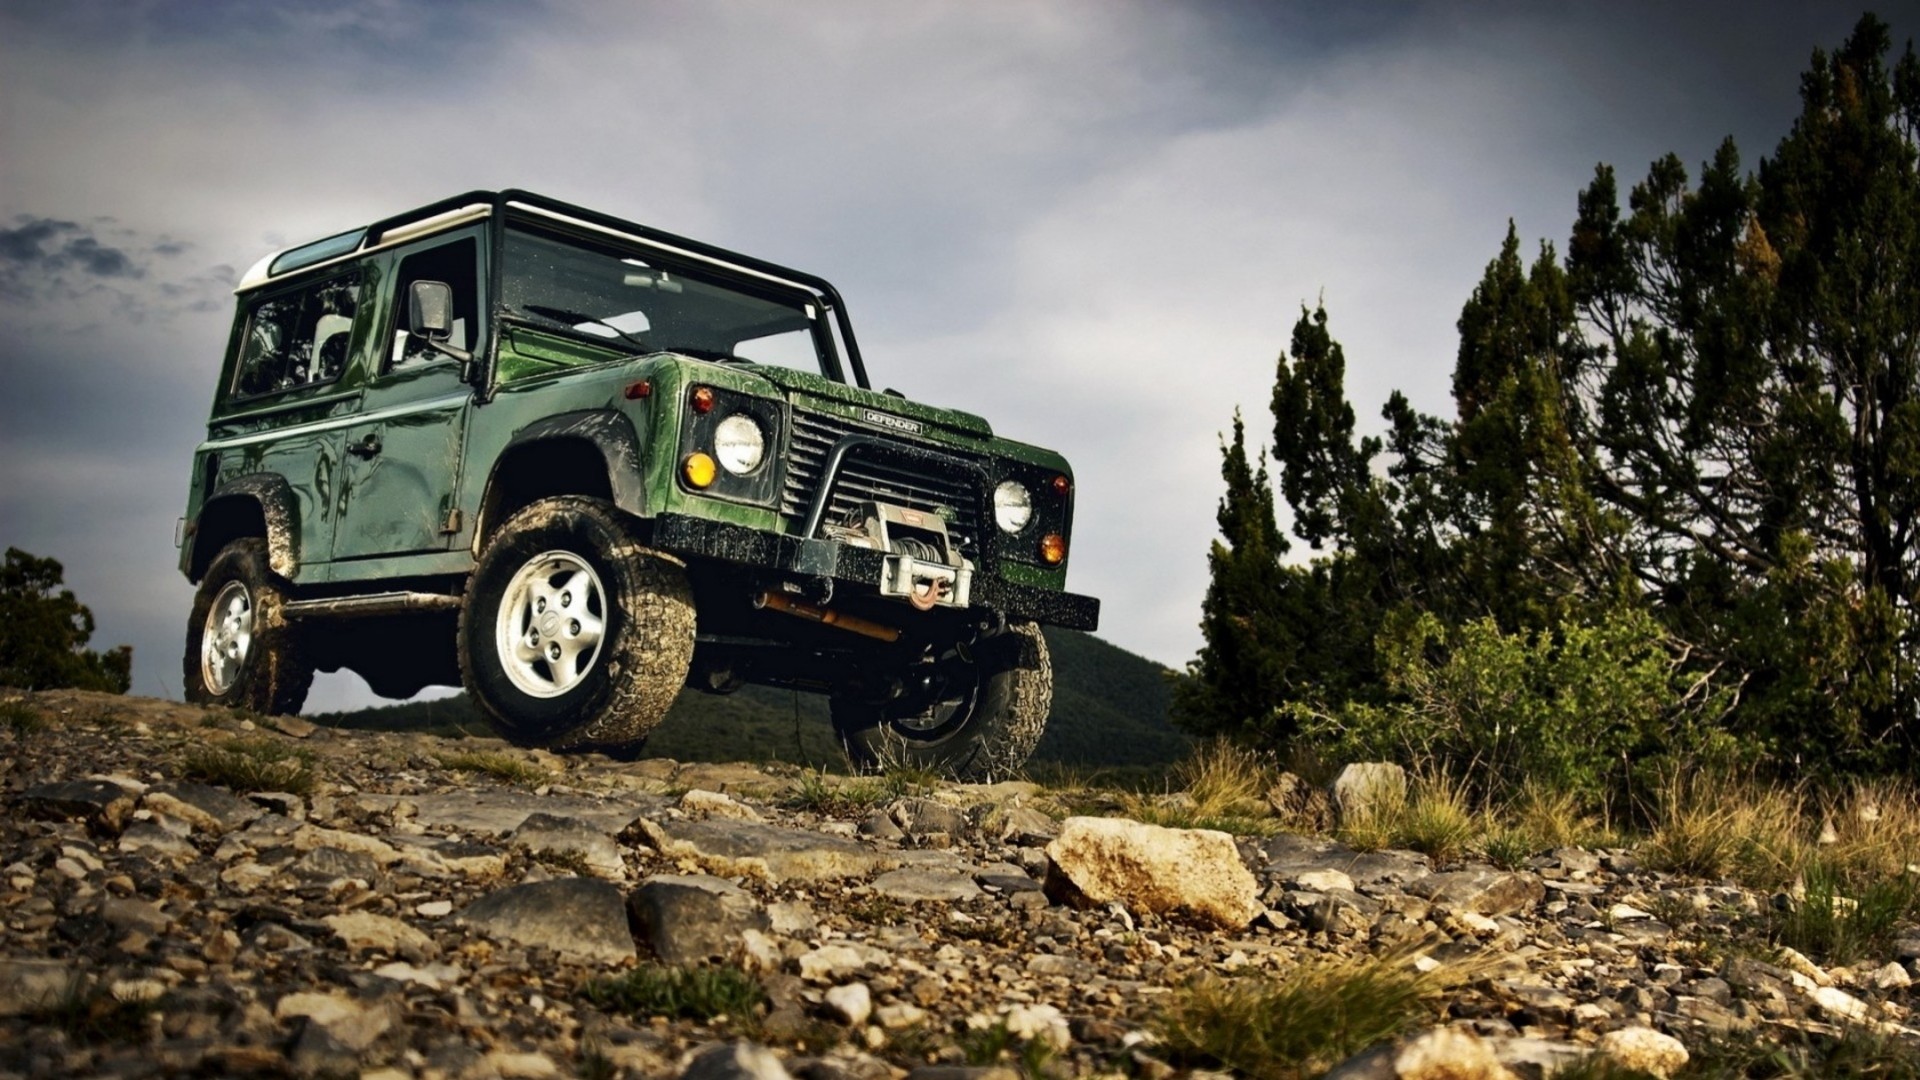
{"type": "Point", "coordinates": [1094, 223]}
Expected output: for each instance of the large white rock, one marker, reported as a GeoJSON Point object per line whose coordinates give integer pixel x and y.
{"type": "Point", "coordinates": [1449, 1054]}
{"type": "Point", "coordinates": [1196, 872]}
{"type": "Point", "coordinates": [1366, 787]}
{"type": "Point", "coordinates": [1644, 1049]}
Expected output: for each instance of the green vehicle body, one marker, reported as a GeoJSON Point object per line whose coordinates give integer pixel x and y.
{"type": "Point", "coordinates": [378, 466]}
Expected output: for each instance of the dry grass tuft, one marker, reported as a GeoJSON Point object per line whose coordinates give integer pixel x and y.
{"type": "Point", "coordinates": [501, 766]}
{"type": "Point", "coordinates": [1300, 1026]}
{"type": "Point", "coordinates": [256, 764]}
{"type": "Point", "coordinates": [1712, 825]}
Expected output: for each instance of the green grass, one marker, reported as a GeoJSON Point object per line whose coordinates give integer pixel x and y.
{"type": "Point", "coordinates": [1841, 920]}
{"type": "Point", "coordinates": [1854, 1054]}
{"type": "Point", "coordinates": [995, 1045]}
{"type": "Point", "coordinates": [254, 764]}
{"type": "Point", "coordinates": [571, 862]}
{"type": "Point", "coordinates": [820, 793]}
{"type": "Point", "coordinates": [1437, 819]}
{"type": "Point", "coordinates": [503, 767]}
{"type": "Point", "coordinates": [1299, 1026]}
{"type": "Point", "coordinates": [21, 719]}
{"type": "Point", "coordinates": [689, 993]}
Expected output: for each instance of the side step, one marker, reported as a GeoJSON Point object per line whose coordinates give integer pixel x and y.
{"type": "Point", "coordinates": [386, 603]}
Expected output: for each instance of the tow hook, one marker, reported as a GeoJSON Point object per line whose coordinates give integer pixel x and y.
{"type": "Point", "coordinates": [927, 592]}
{"type": "Point", "coordinates": [781, 602]}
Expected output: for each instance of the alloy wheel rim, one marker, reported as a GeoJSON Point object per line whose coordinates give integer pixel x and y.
{"type": "Point", "coordinates": [552, 624]}
{"type": "Point", "coordinates": [227, 638]}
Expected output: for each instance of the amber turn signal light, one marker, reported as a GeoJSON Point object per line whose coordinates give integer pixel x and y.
{"type": "Point", "coordinates": [699, 470]}
{"type": "Point", "coordinates": [1053, 549]}
{"type": "Point", "coordinates": [702, 399]}
{"type": "Point", "coordinates": [639, 390]}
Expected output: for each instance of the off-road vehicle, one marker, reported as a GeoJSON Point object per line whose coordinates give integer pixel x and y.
{"type": "Point", "coordinates": [574, 463]}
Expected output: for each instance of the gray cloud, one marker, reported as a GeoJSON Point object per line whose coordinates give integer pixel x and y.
{"type": "Point", "coordinates": [1092, 222]}
{"type": "Point", "coordinates": [44, 250]}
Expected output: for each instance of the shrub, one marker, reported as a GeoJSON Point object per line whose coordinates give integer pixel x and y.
{"type": "Point", "coordinates": [1569, 708]}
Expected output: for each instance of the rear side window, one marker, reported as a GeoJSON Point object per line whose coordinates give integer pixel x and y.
{"type": "Point", "coordinates": [298, 339]}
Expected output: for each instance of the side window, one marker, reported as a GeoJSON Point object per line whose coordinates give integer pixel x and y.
{"type": "Point", "coordinates": [298, 339]}
{"type": "Point", "coordinates": [456, 264]}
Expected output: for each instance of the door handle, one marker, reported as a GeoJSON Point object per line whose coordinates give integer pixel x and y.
{"type": "Point", "coordinates": [366, 447]}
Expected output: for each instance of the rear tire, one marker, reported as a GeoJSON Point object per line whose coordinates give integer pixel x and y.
{"type": "Point", "coordinates": [979, 725]}
{"type": "Point", "coordinates": [573, 636]}
{"type": "Point", "coordinates": [241, 651]}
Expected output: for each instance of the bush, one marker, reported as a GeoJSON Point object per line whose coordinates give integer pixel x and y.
{"type": "Point", "coordinates": [1586, 707]}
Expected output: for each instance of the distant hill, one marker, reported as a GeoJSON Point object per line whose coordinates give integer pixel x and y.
{"type": "Point", "coordinates": [1109, 709]}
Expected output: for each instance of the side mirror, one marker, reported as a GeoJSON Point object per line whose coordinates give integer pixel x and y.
{"type": "Point", "coordinates": [430, 310]}
{"type": "Point", "coordinates": [430, 318]}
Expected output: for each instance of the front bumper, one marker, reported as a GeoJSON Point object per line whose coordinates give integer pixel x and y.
{"type": "Point", "coordinates": [684, 535]}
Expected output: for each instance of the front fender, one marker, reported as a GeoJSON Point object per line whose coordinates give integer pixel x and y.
{"type": "Point", "coordinates": [253, 504]}
{"type": "Point", "coordinates": [611, 433]}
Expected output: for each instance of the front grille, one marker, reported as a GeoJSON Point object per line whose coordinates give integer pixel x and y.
{"type": "Point", "coordinates": [864, 477]}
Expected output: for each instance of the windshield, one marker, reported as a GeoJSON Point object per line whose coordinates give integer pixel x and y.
{"type": "Point", "coordinates": [639, 304]}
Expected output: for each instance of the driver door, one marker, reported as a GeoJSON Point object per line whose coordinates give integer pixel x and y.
{"type": "Point", "coordinates": [402, 460]}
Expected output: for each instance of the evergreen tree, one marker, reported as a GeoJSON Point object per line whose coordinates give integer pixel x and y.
{"type": "Point", "coordinates": [44, 631]}
{"type": "Point", "coordinates": [1751, 405]}
{"type": "Point", "coordinates": [1241, 673]}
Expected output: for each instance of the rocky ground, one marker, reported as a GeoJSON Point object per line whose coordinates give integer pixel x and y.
{"type": "Point", "coordinates": [423, 907]}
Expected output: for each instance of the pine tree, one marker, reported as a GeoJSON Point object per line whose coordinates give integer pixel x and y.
{"type": "Point", "coordinates": [1244, 671]}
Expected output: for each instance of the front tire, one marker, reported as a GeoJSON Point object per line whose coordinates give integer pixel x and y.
{"type": "Point", "coordinates": [241, 651]}
{"type": "Point", "coordinates": [978, 722]}
{"type": "Point", "coordinates": [573, 636]}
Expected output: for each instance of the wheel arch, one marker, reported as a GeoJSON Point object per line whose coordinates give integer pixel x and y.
{"type": "Point", "coordinates": [256, 504]}
{"type": "Point", "coordinates": [594, 453]}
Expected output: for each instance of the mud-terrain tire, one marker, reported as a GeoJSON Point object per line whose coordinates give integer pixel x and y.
{"type": "Point", "coordinates": [241, 650]}
{"type": "Point", "coordinates": [982, 729]}
{"type": "Point", "coordinates": [573, 636]}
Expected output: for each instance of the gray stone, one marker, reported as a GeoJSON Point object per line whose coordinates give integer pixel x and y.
{"type": "Point", "coordinates": [581, 918]}
{"type": "Point", "coordinates": [1367, 787]}
{"type": "Point", "coordinates": [1006, 879]}
{"type": "Point", "coordinates": [571, 836]}
{"type": "Point", "coordinates": [97, 802]}
{"type": "Point", "coordinates": [145, 837]}
{"type": "Point", "coordinates": [133, 914]}
{"type": "Point", "coordinates": [213, 809]}
{"type": "Point", "coordinates": [880, 826]}
{"type": "Point", "coordinates": [738, 848]}
{"type": "Point", "coordinates": [916, 886]}
{"type": "Point", "coordinates": [926, 817]}
{"type": "Point", "coordinates": [328, 864]}
{"type": "Point", "coordinates": [28, 986]}
{"type": "Point", "coordinates": [1022, 825]}
{"type": "Point", "coordinates": [1484, 892]}
{"type": "Point", "coordinates": [687, 919]}
{"type": "Point", "coordinates": [734, 1061]}
{"type": "Point", "coordinates": [500, 812]}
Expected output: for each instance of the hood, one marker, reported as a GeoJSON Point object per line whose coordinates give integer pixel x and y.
{"type": "Point", "coordinates": [800, 382]}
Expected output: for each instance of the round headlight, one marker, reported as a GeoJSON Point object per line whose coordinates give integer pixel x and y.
{"type": "Point", "coordinates": [1012, 506]}
{"type": "Point", "coordinates": [739, 444]}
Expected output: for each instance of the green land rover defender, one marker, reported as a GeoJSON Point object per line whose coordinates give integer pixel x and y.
{"type": "Point", "coordinates": [574, 464]}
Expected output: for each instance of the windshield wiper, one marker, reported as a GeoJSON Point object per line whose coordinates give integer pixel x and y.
{"type": "Point", "coordinates": [573, 320]}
